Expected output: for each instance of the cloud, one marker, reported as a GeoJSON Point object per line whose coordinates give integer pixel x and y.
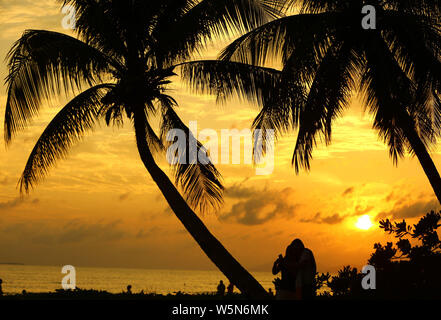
{"type": "Point", "coordinates": [318, 219]}
{"type": "Point", "coordinates": [237, 191]}
{"type": "Point", "coordinates": [11, 203]}
{"type": "Point", "coordinates": [76, 231]}
{"type": "Point", "coordinates": [257, 207]}
{"type": "Point", "coordinates": [412, 210]}
{"type": "Point", "coordinates": [20, 14]}
{"type": "Point", "coordinates": [362, 210]}
{"type": "Point", "coordinates": [390, 197]}
{"type": "Point", "coordinates": [16, 202]}
{"type": "Point", "coordinates": [73, 231]}
{"type": "Point", "coordinates": [147, 233]}
{"type": "Point", "coordinates": [348, 191]}
{"type": "Point", "coordinates": [3, 179]}
{"type": "Point", "coordinates": [124, 196]}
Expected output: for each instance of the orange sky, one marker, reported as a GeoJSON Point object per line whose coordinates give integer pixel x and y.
{"type": "Point", "coordinates": [99, 207]}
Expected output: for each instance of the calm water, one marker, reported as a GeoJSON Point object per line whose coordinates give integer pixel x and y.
{"type": "Point", "coordinates": [48, 278]}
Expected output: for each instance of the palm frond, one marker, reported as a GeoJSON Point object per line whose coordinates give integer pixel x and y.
{"type": "Point", "coordinates": [328, 96]}
{"type": "Point", "coordinates": [311, 6]}
{"type": "Point", "coordinates": [41, 64]}
{"type": "Point", "coordinates": [398, 102]}
{"type": "Point", "coordinates": [415, 42]}
{"type": "Point", "coordinates": [154, 141]}
{"type": "Point", "coordinates": [279, 111]}
{"type": "Point", "coordinates": [231, 79]}
{"type": "Point", "coordinates": [421, 7]}
{"type": "Point", "coordinates": [67, 128]}
{"type": "Point", "coordinates": [207, 20]}
{"type": "Point", "coordinates": [387, 92]}
{"type": "Point", "coordinates": [436, 110]}
{"type": "Point", "coordinates": [265, 87]}
{"type": "Point", "coordinates": [98, 23]}
{"type": "Point", "coordinates": [279, 38]}
{"type": "Point", "coordinates": [300, 64]}
{"type": "Point", "coordinates": [201, 182]}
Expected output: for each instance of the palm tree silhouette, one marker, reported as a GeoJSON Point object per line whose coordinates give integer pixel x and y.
{"type": "Point", "coordinates": [124, 57]}
{"type": "Point", "coordinates": [326, 55]}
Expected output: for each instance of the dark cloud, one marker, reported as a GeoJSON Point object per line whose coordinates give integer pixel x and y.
{"type": "Point", "coordinates": [361, 210]}
{"type": "Point", "coordinates": [348, 191]}
{"type": "Point", "coordinates": [318, 219]}
{"type": "Point", "coordinates": [334, 219]}
{"type": "Point", "coordinates": [401, 199]}
{"type": "Point", "coordinates": [74, 231]}
{"type": "Point", "coordinates": [11, 203]}
{"type": "Point", "coordinates": [259, 206]}
{"type": "Point", "coordinates": [4, 179]}
{"type": "Point", "coordinates": [412, 210]}
{"type": "Point", "coordinates": [390, 197]}
{"type": "Point", "coordinates": [238, 192]}
{"type": "Point", "coordinates": [124, 196]}
{"type": "Point", "coordinates": [16, 202]}
{"type": "Point", "coordinates": [147, 233]}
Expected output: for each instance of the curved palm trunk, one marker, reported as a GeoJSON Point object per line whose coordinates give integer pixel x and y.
{"type": "Point", "coordinates": [226, 263]}
{"type": "Point", "coordinates": [422, 154]}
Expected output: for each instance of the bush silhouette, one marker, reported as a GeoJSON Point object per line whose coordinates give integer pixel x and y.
{"type": "Point", "coordinates": [410, 268]}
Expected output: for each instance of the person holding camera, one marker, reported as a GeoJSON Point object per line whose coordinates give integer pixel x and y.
{"type": "Point", "coordinates": [298, 270]}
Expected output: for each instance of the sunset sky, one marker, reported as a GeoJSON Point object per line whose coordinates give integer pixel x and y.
{"type": "Point", "coordinates": [99, 207]}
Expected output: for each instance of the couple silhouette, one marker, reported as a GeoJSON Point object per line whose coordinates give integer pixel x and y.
{"type": "Point", "coordinates": [298, 269]}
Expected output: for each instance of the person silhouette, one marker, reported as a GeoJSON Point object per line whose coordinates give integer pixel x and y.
{"type": "Point", "coordinates": [306, 269]}
{"type": "Point", "coordinates": [129, 289]}
{"type": "Point", "coordinates": [221, 288]}
{"type": "Point", "coordinates": [230, 288]}
{"type": "Point", "coordinates": [286, 290]}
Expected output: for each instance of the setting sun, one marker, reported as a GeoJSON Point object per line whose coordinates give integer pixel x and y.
{"type": "Point", "coordinates": [364, 222]}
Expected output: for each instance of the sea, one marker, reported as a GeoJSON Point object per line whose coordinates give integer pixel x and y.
{"type": "Point", "coordinates": [17, 278]}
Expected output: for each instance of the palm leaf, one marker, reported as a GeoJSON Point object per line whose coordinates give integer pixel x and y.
{"type": "Point", "coordinates": [41, 63]}
{"type": "Point", "coordinates": [103, 24]}
{"type": "Point", "coordinates": [206, 20]}
{"type": "Point", "coordinates": [279, 38]}
{"type": "Point", "coordinates": [415, 42]}
{"type": "Point", "coordinates": [425, 7]}
{"type": "Point", "coordinates": [68, 127]}
{"type": "Point", "coordinates": [226, 79]}
{"type": "Point", "coordinates": [201, 182]}
{"type": "Point", "coordinates": [327, 98]}
{"type": "Point", "coordinates": [387, 92]}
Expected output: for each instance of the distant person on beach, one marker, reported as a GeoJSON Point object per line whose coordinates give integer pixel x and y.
{"type": "Point", "coordinates": [221, 288]}
{"type": "Point", "coordinates": [230, 288]}
{"type": "Point", "coordinates": [1, 290]}
{"type": "Point", "coordinates": [298, 270]}
{"type": "Point", "coordinates": [129, 289]}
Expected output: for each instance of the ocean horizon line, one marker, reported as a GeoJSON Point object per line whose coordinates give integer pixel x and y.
{"type": "Point", "coordinates": [122, 267]}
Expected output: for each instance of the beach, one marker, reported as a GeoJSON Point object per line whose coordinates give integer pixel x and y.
{"type": "Point", "coordinates": [17, 278]}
